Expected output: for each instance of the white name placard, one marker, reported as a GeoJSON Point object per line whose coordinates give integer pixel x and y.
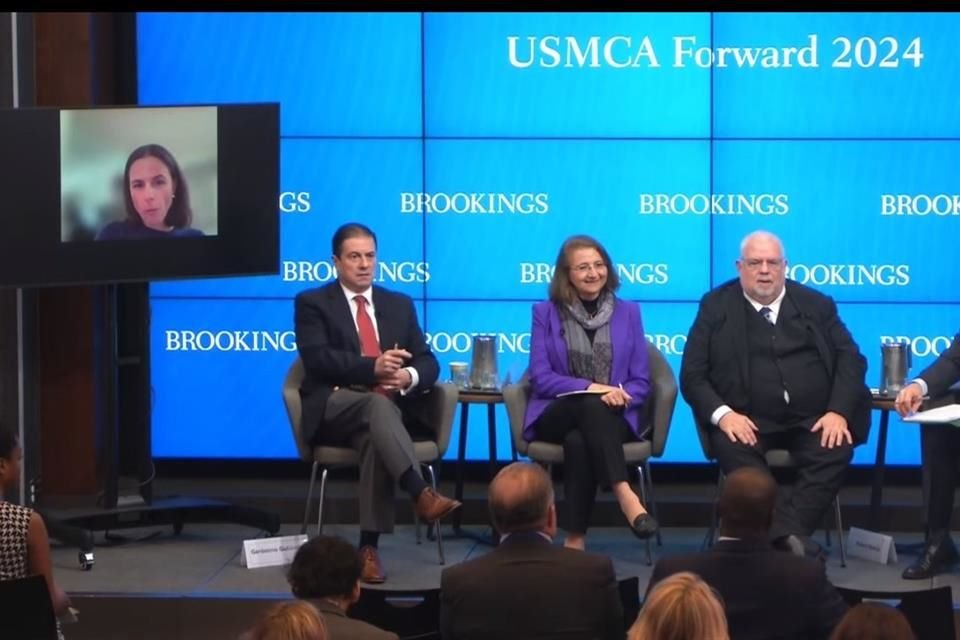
{"type": "Point", "coordinates": [868, 545]}
{"type": "Point", "coordinates": [270, 552]}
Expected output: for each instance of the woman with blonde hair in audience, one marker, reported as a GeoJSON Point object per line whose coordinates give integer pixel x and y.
{"type": "Point", "coordinates": [296, 620]}
{"type": "Point", "coordinates": [681, 607]}
{"type": "Point", "coordinates": [873, 621]}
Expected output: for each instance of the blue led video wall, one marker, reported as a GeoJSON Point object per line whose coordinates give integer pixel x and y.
{"type": "Point", "coordinates": [475, 143]}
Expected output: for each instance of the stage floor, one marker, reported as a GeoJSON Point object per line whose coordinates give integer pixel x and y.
{"type": "Point", "coordinates": [193, 585]}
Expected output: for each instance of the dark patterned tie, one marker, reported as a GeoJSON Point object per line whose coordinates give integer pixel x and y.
{"type": "Point", "coordinates": [767, 314]}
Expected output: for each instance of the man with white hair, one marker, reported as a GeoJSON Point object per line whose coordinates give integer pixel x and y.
{"type": "Point", "coordinates": [769, 364]}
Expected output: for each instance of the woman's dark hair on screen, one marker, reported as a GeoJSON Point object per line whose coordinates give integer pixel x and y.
{"type": "Point", "coordinates": [180, 214]}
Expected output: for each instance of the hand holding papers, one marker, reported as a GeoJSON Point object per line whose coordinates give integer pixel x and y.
{"type": "Point", "coordinates": [948, 414]}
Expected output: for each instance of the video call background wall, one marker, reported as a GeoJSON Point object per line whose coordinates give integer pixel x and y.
{"type": "Point", "coordinates": [374, 106]}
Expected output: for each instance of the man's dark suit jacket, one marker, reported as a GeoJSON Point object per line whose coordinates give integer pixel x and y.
{"type": "Point", "coordinates": [330, 347]}
{"type": "Point", "coordinates": [340, 627]}
{"type": "Point", "coordinates": [528, 589]}
{"type": "Point", "coordinates": [714, 370]}
{"type": "Point", "coordinates": [767, 594]}
{"type": "Point", "coordinates": [944, 371]}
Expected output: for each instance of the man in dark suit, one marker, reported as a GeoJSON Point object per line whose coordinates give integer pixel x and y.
{"type": "Point", "coordinates": [528, 588]}
{"type": "Point", "coordinates": [940, 446]}
{"type": "Point", "coordinates": [769, 364]}
{"type": "Point", "coordinates": [367, 363]}
{"type": "Point", "coordinates": [767, 594]}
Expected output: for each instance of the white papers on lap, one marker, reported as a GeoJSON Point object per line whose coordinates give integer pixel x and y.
{"type": "Point", "coordinates": [581, 392]}
{"type": "Point", "coordinates": [948, 414]}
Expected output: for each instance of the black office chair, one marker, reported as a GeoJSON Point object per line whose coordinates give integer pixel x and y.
{"type": "Point", "coordinates": [929, 611]}
{"type": "Point", "coordinates": [412, 615]}
{"type": "Point", "coordinates": [630, 599]}
{"type": "Point", "coordinates": [26, 609]}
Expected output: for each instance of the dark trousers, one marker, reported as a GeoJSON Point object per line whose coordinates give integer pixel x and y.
{"type": "Point", "coordinates": [592, 435]}
{"type": "Point", "coordinates": [940, 445]}
{"type": "Point", "coordinates": [820, 473]}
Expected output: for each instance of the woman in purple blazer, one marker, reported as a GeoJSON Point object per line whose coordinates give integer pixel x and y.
{"type": "Point", "coordinates": [589, 344]}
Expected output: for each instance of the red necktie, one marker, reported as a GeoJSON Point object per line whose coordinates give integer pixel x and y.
{"type": "Point", "coordinates": [369, 345]}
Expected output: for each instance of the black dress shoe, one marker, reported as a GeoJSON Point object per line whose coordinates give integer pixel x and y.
{"type": "Point", "coordinates": [937, 556]}
{"type": "Point", "coordinates": [644, 526]}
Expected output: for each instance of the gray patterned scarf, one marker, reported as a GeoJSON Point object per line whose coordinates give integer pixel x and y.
{"type": "Point", "coordinates": [586, 361]}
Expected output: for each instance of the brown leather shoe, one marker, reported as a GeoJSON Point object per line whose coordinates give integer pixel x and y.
{"type": "Point", "coordinates": [372, 570]}
{"type": "Point", "coordinates": [430, 506]}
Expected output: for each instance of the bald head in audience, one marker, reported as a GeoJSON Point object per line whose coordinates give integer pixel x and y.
{"type": "Point", "coordinates": [521, 499]}
{"type": "Point", "coordinates": [747, 503]}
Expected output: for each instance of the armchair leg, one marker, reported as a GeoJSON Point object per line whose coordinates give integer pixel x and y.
{"type": "Point", "coordinates": [714, 516]}
{"type": "Point", "coordinates": [323, 492]}
{"type": "Point", "coordinates": [433, 483]}
{"type": "Point", "coordinates": [839, 519]}
{"type": "Point", "coordinates": [416, 527]}
{"type": "Point", "coordinates": [643, 499]}
{"type": "Point", "coordinates": [653, 501]}
{"type": "Point", "coordinates": [306, 507]}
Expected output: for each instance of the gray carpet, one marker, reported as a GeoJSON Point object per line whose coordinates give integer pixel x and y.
{"type": "Point", "coordinates": [205, 560]}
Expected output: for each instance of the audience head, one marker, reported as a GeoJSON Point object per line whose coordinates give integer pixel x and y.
{"type": "Point", "coordinates": [355, 256]}
{"type": "Point", "coordinates": [762, 266]}
{"type": "Point", "coordinates": [156, 194]}
{"type": "Point", "coordinates": [873, 621]}
{"type": "Point", "coordinates": [11, 456]}
{"type": "Point", "coordinates": [584, 270]}
{"type": "Point", "coordinates": [521, 499]}
{"type": "Point", "coordinates": [325, 567]}
{"type": "Point", "coordinates": [747, 502]}
{"type": "Point", "coordinates": [681, 607]}
{"type": "Point", "coordinates": [295, 620]}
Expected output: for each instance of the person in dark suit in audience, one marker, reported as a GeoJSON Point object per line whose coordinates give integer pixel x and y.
{"type": "Point", "coordinates": [326, 573]}
{"type": "Point", "coordinates": [769, 364]}
{"type": "Point", "coordinates": [586, 339]}
{"type": "Point", "coordinates": [527, 588]}
{"type": "Point", "coordinates": [367, 366]}
{"type": "Point", "coordinates": [940, 450]}
{"type": "Point", "coordinates": [767, 594]}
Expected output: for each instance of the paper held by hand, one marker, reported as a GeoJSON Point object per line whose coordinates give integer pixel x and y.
{"type": "Point", "coordinates": [582, 391]}
{"type": "Point", "coordinates": [947, 414]}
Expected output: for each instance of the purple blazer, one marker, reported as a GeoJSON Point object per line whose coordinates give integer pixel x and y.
{"type": "Point", "coordinates": [550, 373]}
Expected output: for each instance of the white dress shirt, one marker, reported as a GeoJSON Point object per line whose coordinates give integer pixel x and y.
{"type": "Point", "coordinates": [371, 311]}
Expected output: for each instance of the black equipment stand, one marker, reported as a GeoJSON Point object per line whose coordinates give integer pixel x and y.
{"type": "Point", "coordinates": [128, 398]}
